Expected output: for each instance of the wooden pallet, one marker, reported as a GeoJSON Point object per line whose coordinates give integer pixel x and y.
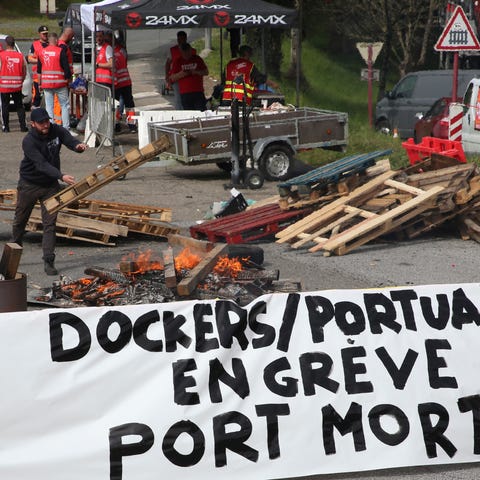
{"type": "Point", "coordinates": [378, 207]}
{"type": "Point", "coordinates": [101, 208]}
{"type": "Point", "coordinates": [116, 168]}
{"type": "Point", "coordinates": [77, 228]}
{"type": "Point", "coordinates": [313, 185]}
{"type": "Point", "coordinates": [311, 223]}
{"type": "Point", "coordinates": [247, 226]}
{"type": "Point", "coordinates": [374, 226]}
{"type": "Point", "coordinates": [137, 218]}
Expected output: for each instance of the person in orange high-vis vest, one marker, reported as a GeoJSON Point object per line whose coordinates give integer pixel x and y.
{"type": "Point", "coordinates": [35, 49]}
{"type": "Point", "coordinates": [54, 72]}
{"type": "Point", "coordinates": [12, 74]}
{"type": "Point", "coordinates": [241, 77]}
{"type": "Point", "coordinates": [104, 60]}
{"type": "Point", "coordinates": [123, 87]}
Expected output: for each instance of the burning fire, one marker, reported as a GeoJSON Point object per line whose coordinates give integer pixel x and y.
{"type": "Point", "coordinates": [228, 267]}
{"type": "Point", "coordinates": [143, 262]}
{"type": "Point", "coordinates": [186, 260]}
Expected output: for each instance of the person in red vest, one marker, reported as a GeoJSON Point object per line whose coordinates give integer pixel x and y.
{"type": "Point", "coordinates": [55, 74]}
{"type": "Point", "coordinates": [123, 87]}
{"type": "Point", "coordinates": [104, 60]}
{"type": "Point", "coordinates": [175, 55]}
{"type": "Point", "coordinates": [35, 49]}
{"type": "Point", "coordinates": [13, 70]}
{"type": "Point", "coordinates": [188, 71]}
{"type": "Point", "coordinates": [241, 78]}
{"type": "Point", "coordinates": [64, 42]}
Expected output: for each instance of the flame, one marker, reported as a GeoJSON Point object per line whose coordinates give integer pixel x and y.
{"type": "Point", "coordinates": [186, 260]}
{"type": "Point", "coordinates": [143, 262]}
{"type": "Point", "coordinates": [228, 267]}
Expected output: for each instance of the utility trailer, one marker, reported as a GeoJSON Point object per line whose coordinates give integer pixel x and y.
{"type": "Point", "coordinates": [275, 135]}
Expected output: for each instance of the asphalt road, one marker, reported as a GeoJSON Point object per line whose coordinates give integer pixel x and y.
{"type": "Point", "coordinates": [190, 191]}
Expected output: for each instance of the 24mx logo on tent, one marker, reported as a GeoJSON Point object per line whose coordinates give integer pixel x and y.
{"type": "Point", "coordinates": [133, 19]}
{"type": "Point", "coordinates": [222, 19]}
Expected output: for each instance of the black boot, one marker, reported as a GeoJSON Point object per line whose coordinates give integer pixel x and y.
{"type": "Point", "coordinates": [50, 268]}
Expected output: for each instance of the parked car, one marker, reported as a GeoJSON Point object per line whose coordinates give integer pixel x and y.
{"type": "Point", "coordinates": [27, 83]}
{"type": "Point", "coordinates": [435, 122]}
{"type": "Point", "coordinates": [414, 93]}
{"type": "Point", "coordinates": [71, 19]}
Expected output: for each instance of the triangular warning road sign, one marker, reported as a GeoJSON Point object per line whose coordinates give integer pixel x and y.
{"type": "Point", "coordinates": [458, 34]}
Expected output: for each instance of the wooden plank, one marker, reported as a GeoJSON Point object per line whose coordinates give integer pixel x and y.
{"type": "Point", "coordinates": [197, 274]}
{"type": "Point", "coordinates": [12, 252]}
{"type": "Point", "coordinates": [176, 240]}
{"type": "Point", "coordinates": [168, 262]}
{"type": "Point", "coordinates": [311, 221]}
{"type": "Point", "coordinates": [374, 227]}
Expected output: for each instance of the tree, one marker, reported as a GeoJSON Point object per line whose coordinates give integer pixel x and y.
{"type": "Point", "coordinates": [405, 27]}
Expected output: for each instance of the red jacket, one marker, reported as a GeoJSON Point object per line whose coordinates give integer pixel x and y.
{"type": "Point", "coordinates": [12, 71]}
{"type": "Point", "coordinates": [52, 74]}
{"type": "Point", "coordinates": [239, 68]}
{"type": "Point", "coordinates": [191, 83]}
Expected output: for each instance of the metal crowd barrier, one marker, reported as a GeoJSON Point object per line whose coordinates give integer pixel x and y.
{"type": "Point", "coordinates": [100, 113]}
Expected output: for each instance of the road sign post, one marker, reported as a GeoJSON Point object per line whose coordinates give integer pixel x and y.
{"type": "Point", "coordinates": [369, 52]}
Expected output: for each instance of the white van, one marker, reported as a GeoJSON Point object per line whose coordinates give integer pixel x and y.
{"type": "Point", "coordinates": [415, 93]}
{"type": "Point", "coordinates": [471, 118]}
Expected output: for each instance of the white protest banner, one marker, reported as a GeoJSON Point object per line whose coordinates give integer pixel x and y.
{"type": "Point", "coordinates": [291, 385]}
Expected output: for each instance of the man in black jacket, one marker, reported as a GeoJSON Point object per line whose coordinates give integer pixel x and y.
{"type": "Point", "coordinates": [39, 175]}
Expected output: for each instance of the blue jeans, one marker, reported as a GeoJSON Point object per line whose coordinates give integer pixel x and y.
{"type": "Point", "coordinates": [64, 100]}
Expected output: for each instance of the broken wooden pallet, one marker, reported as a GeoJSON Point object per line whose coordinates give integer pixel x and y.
{"type": "Point", "coordinates": [311, 223]}
{"type": "Point", "coordinates": [376, 225]}
{"type": "Point", "coordinates": [350, 222]}
{"type": "Point", "coordinates": [116, 168]}
{"type": "Point", "coordinates": [78, 228]}
{"type": "Point", "coordinates": [101, 208]}
{"type": "Point", "coordinates": [247, 226]}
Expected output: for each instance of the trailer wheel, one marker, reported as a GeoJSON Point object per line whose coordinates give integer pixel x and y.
{"type": "Point", "coordinates": [254, 179]}
{"type": "Point", "coordinates": [276, 162]}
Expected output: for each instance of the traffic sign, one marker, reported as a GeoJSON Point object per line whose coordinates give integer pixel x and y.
{"type": "Point", "coordinates": [457, 34]}
{"type": "Point", "coordinates": [375, 75]}
{"type": "Point", "coordinates": [363, 49]}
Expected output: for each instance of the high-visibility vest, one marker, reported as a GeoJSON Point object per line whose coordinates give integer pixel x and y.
{"type": "Point", "coordinates": [69, 53]}
{"type": "Point", "coordinates": [12, 71]}
{"type": "Point", "coordinates": [103, 75]}
{"type": "Point", "coordinates": [38, 46]}
{"type": "Point", "coordinates": [239, 67]}
{"type": "Point", "coordinates": [53, 75]}
{"type": "Point", "coordinates": [122, 76]}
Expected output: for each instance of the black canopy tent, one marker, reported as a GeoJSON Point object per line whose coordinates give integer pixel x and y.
{"type": "Point", "coordinates": [135, 14]}
{"type": "Point", "coordinates": [180, 14]}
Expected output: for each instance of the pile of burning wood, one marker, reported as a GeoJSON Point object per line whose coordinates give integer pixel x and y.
{"type": "Point", "coordinates": [209, 272]}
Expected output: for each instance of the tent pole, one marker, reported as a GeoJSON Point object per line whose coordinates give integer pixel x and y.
{"type": "Point", "coordinates": [299, 56]}
{"type": "Point", "coordinates": [221, 56]}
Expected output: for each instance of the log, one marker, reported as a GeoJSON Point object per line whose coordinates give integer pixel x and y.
{"type": "Point", "coordinates": [176, 240]}
{"type": "Point", "coordinates": [197, 274]}
{"type": "Point", "coordinates": [12, 252]}
{"type": "Point", "coordinates": [170, 274]}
